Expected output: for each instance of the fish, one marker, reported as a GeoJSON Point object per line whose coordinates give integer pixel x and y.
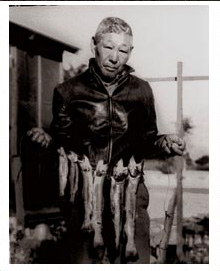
{"type": "Point", "coordinates": [134, 174]}
{"type": "Point", "coordinates": [87, 176]}
{"type": "Point", "coordinates": [63, 170]}
{"type": "Point", "coordinates": [117, 191]}
{"type": "Point", "coordinates": [73, 175]}
{"type": "Point", "coordinates": [99, 177]}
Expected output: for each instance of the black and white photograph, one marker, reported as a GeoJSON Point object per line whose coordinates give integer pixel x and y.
{"type": "Point", "coordinates": [108, 134]}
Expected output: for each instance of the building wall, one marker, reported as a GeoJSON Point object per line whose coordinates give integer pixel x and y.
{"type": "Point", "coordinates": [39, 177]}
{"type": "Point", "coordinates": [51, 77]}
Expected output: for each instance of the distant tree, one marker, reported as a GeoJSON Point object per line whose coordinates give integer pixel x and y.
{"type": "Point", "coordinates": [187, 125]}
{"type": "Point", "coordinates": [202, 163]}
{"type": "Point", "coordinates": [204, 160]}
{"type": "Point", "coordinates": [72, 71]}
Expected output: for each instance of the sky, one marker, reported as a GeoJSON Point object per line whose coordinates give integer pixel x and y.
{"type": "Point", "coordinates": [163, 35]}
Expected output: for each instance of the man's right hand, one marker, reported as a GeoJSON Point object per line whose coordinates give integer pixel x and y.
{"type": "Point", "coordinates": [40, 136]}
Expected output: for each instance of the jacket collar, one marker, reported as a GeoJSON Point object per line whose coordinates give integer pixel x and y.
{"type": "Point", "coordinates": [119, 79]}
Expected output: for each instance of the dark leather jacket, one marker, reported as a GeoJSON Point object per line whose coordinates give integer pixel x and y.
{"type": "Point", "coordinates": [88, 120]}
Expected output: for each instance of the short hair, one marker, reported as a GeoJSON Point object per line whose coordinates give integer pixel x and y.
{"type": "Point", "coordinates": [112, 25]}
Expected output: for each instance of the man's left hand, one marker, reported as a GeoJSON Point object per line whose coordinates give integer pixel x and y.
{"type": "Point", "coordinates": [172, 144]}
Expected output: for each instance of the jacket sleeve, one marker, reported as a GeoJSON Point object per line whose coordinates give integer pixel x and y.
{"type": "Point", "coordinates": [150, 136]}
{"type": "Point", "coordinates": [151, 130]}
{"type": "Point", "coordinates": [61, 123]}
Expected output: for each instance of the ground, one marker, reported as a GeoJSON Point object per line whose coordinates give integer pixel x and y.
{"type": "Point", "coordinates": [26, 244]}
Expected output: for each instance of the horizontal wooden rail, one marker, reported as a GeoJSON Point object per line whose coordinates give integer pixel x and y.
{"type": "Point", "coordinates": [184, 78]}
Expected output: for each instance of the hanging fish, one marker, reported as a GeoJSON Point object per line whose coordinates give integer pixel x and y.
{"type": "Point", "coordinates": [63, 170]}
{"type": "Point", "coordinates": [134, 174]}
{"type": "Point", "coordinates": [99, 177]}
{"type": "Point", "coordinates": [117, 191]}
{"type": "Point", "coordinates": [87, 176]}
{"type": "Point", "coordinates": [73, 175]}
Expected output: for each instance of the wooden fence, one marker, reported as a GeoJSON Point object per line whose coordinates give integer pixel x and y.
{"type": "Point", "coordinates": [177, 200]}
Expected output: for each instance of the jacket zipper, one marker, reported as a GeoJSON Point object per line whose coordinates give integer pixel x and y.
{"type": "Point", "coordinates": [110, 142]}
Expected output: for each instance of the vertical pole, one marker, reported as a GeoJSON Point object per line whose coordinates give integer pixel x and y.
{"type": "Point", "coordinates": [60, 72]}
{"type": "Point", "coordinates": [167, 228]}
{"type": "Point", "coordinates": [13, 101]}
{"type": "Point", "coordinates": [39, 91]}
{"type": "Point", "coordinates": [180, 254]}
{"type": "Point", "coordinates": [180, 98]}
{"type": "Point", "coordinates": [39, 105]}
{"type": "Point", "coordinates": [17, 176]}
{"type": "Point", "coordinates": [15, 159]}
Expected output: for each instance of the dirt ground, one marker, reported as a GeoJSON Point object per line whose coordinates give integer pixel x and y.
{"type": "Point", "coordinates": [25, 243]}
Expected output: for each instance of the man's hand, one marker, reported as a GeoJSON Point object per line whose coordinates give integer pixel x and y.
{"type": "Point", "coordinates": [40, 136]}
{"type": "Point", "coordinates": [172, 144]}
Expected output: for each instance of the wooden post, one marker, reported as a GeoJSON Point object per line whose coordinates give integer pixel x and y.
{"type": "Point", "coordinates": [39, 91]}
{"type": "Point", "coordinates": [167, 228]}
{"type": "Point", "coordinates": [61, 72]}
{"type": "Point", "coordinates": [179, 163]}
{"type": "Point", "coordinates": [13, 101]}
{"type": "Point", "coordinates": [17, 178]}
{"type": "Point", "coordinates": [15, 159]}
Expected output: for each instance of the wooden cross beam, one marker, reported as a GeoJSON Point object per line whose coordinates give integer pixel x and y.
{"type": "Point", "coordinates": [184, 78]}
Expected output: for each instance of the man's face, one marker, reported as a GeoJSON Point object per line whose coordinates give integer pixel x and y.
{"type": "Point", "coordinates": [112, 52]}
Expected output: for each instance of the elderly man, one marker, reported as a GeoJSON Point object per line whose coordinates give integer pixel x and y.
{"type": "Point", "coordinates": [106, 118]}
